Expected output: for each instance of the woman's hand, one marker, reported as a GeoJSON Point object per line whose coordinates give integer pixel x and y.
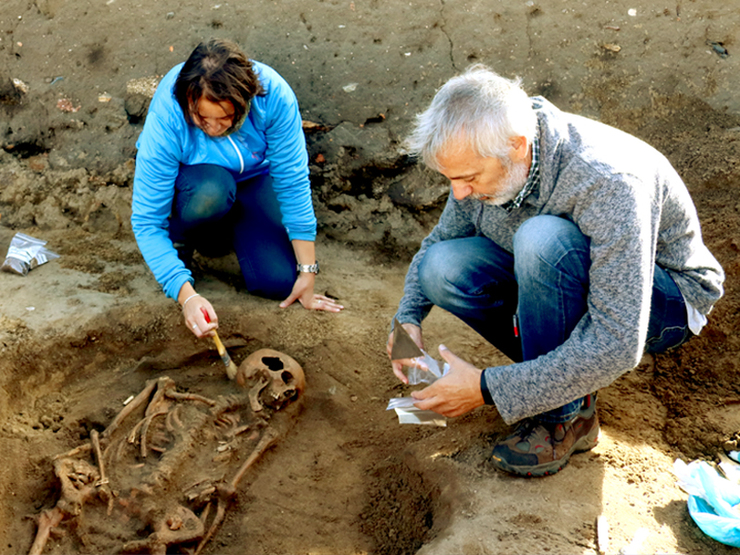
{"type": "Point", "coordinates": [303, 292]}
{"type": "Point", "coordinates": [194, 310]}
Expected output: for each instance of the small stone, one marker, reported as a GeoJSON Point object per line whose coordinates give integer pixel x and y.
{"type": "Point", "coordinates": [20, 86]}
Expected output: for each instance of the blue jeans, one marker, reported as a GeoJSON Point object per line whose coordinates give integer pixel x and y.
{"type": "Point", "coordinates": [544, 285]}
{"type": "Point", "coordinates": [214, 213]}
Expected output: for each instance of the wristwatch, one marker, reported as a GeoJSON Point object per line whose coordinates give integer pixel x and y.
{"type": "Point", "coordinates": [308, 268]}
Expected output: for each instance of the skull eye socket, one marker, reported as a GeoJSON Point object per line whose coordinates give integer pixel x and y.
{"type": "Point", "coordinates": [287, 377]}
{"type": "Point", "coordinates": [290, 394]}
{"type": "Point", "coordinates": [273, 363]}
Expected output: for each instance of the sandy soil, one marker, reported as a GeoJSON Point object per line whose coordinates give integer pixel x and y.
{"type": "Point", "coordinates": [81, 334]}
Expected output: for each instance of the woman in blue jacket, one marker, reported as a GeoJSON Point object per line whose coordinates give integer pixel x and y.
{"type": "Point", "coordinates": [222, 161]}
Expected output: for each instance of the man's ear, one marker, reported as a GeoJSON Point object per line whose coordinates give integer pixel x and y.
{"type": "Point", "coordinates": [519, 148]}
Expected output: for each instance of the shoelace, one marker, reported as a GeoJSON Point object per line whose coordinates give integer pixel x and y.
{"type": "Point", "coordinates": [527, 429]}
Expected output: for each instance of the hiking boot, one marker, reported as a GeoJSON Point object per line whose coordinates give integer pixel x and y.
{"type": "Point", "coordinates": [543, 448]}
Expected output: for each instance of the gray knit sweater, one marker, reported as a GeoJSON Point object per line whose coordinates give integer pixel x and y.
{"type": "Point", "coordinates": [635, 209]}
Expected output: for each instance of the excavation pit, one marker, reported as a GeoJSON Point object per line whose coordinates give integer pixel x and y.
{"type": "Point", "coordinates": [324, 483]}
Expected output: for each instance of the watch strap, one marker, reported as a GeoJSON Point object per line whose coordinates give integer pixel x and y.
{"type": "Point", "coordinates": [308, 268]}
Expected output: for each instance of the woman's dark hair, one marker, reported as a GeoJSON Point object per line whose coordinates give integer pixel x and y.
{"type": "Point", "coordinates": [218, 70]}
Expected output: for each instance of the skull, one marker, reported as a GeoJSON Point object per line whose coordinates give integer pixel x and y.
{"type": "Point", "coordinates": [274, 379]}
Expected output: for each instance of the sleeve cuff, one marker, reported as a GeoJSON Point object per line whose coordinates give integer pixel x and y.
{"type": "Point", "coordinates": [487, 399]}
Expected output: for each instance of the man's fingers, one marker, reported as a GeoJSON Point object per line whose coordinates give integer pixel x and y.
{"type": "Point", "coordinates": [417, 362]}
{"type": "Point", "coordinates": [398, 371]}
{"type": "Point", "coordinates": [426, 400]}
{"type": "Point", "coordinates": [422, 394]}
{"type": "Point", "coordinates": [447, 355]}
{"type": "Point", "coordinates": [426, 404]}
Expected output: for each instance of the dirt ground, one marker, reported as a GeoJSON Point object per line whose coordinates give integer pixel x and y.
{"type": "Point", "coordinates": [81, 334]}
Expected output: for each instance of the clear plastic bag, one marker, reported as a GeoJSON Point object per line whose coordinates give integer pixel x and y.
{"type": "Point", "coordinates": [418, 375]}
{"type": "Point", "coordinates": [26, 253]}
{"type": "Point", "coordinates": [404, 406]}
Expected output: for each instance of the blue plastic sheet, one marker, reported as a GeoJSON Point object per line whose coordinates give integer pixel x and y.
{"type": "Point", "coordinates": [714, 501]}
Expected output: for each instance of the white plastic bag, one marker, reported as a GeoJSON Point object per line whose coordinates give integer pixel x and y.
{"type": "Point", "coordinates": [25, 253]}
{"type": "Point", "coordinates": [409, 414]}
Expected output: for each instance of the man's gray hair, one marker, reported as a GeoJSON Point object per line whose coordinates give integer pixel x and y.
{"type": "Point", "coordinates": [478, 109]}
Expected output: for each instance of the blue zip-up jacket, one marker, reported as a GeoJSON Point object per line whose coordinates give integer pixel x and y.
{"type": "Point", "coordinates": [270, 140]}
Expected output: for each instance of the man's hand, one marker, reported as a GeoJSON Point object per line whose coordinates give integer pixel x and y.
{"type": "Point", "coordinates": [455, 394]}
{"type": "Point", "coordinates": [415, 332]}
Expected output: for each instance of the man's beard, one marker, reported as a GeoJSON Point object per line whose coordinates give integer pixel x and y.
{"type": "Point", "coordinates": [509, 188]}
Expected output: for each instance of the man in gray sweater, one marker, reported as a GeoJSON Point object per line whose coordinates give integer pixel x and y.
{"type": "Point", "coordinates": [569, 245]}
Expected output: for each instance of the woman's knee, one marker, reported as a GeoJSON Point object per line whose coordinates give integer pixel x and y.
{"type": "Point", "coordinates": [211, 201]}
{"type": "Point", "coordinates": [274, 290]}
{"type": "Point", "coordinates": [206, 192]}
{"type": "Point", "coordinates": [269, 283]}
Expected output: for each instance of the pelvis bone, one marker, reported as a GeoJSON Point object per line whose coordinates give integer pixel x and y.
{"type": "Point", "coordinates": [273, 379]}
